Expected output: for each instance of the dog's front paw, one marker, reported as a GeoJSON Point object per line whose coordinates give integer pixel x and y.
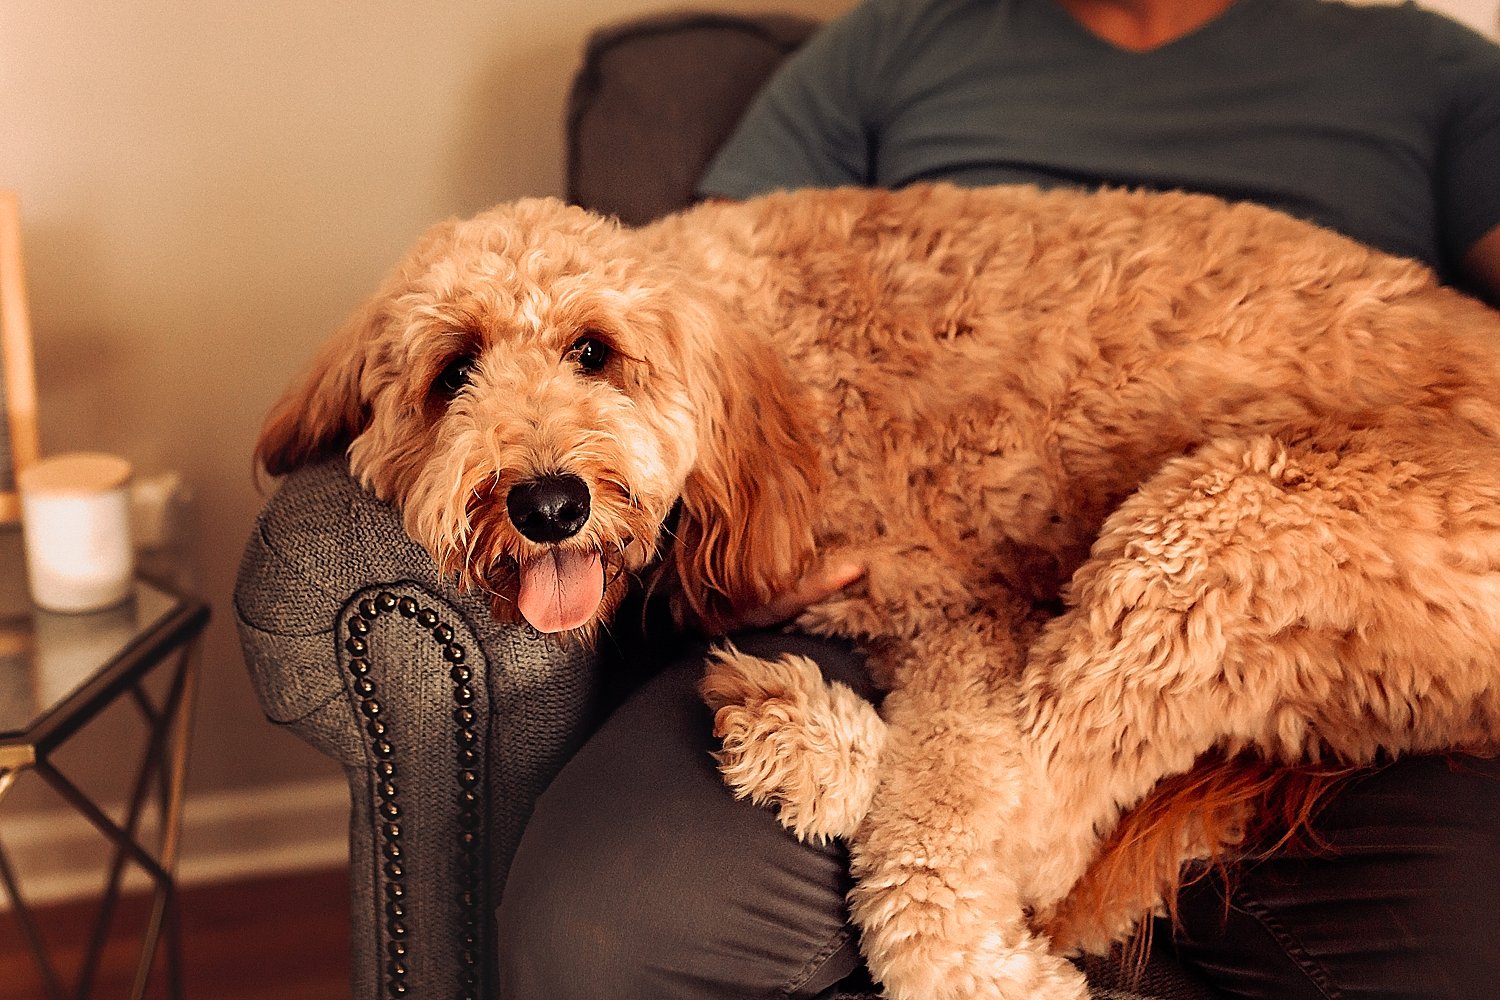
{"type": "Point", "coordinates": [808, 747]}
{"type": "Point", "coordinates": [996, 967]}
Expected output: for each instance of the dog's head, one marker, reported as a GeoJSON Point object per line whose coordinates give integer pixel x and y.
{"type": "Point", "coordinates": [536, 394]}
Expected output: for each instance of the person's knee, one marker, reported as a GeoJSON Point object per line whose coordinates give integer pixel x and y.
{"type": "Point", "coordinates": [571, 922]}
{"type": "Point", "coordinates": [628, 917]}
{"type": "Point", "coordinates": [561, 938]}
{"type": "Point", "coordinates": [640, 875]}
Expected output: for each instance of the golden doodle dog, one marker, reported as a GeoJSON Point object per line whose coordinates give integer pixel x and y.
{"type": "Point", "coordinates": [1156, 494]}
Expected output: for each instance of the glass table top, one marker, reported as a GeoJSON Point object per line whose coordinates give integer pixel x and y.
{"type": "Point", "coordinates": [46, 656]}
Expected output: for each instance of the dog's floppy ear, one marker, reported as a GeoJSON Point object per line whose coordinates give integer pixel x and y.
{"type": "Point", "coordinates": [321, 414]}
{"type": "Point", "coordinates": [745, 533]}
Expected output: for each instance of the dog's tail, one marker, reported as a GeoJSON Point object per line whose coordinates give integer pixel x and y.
{"type": "Point", "coordinates": [1239, 806]}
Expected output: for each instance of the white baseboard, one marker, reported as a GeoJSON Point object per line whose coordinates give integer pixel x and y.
{"type": "Point", "coordinates": [229, 835]}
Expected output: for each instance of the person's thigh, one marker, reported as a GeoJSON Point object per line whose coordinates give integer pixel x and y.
{"type": "Point", "coordinates": [640, 876]}
{"type": "Point", "coordinates": [1404, 901]}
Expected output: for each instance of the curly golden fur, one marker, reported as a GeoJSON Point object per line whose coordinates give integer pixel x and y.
{"type": "Point", "coordinates": [1158, 496]}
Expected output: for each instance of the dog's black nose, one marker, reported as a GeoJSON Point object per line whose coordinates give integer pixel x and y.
{"type": "Point", "coordinates": [550, 508]}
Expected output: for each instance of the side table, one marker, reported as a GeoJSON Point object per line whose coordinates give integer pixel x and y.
{"type": "Point", "coordinates": [57, 673]}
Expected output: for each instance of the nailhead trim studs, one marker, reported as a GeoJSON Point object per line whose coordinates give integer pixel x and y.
{"type": "Point", "coordinates": [466, 739]}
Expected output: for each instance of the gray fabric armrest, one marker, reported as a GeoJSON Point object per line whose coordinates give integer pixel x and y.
{"type": "Point", "coordinates": [447, 725]}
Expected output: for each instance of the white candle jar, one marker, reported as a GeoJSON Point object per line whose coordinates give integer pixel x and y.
{"type": "Point", "coordinates": [75, 517]}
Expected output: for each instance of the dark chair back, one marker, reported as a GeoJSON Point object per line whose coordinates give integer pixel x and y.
{"type": "Point", "coordinates": [655, 97]}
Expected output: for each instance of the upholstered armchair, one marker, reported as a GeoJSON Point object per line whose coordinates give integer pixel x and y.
{"type": "Point", "coordinates": [447, 725]}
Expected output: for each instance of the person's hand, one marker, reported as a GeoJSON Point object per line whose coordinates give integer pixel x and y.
{"type": "Point", "coordinates": [823, 580]}
{"type": "Point", "coordinates": [1482, 263]}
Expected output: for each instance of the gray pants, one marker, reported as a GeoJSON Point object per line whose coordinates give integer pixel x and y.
{"type": "Point", "coordinates": [640, 878]}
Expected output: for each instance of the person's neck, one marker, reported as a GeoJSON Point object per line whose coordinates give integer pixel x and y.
{"type": "Point", "coordinates": [1140, 25]}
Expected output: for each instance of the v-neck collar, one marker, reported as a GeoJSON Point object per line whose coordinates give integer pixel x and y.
{"type": "Point", "coordinates": [1220, 22]}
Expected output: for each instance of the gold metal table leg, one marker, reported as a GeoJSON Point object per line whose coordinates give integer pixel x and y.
{"type": "Point", "coordinates": [162, 773]}
{"type": "Point", "coordinates": [51, 982]}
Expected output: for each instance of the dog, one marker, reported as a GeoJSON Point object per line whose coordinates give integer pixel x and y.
{"type": "Point", "coordinates": [1159, 497]}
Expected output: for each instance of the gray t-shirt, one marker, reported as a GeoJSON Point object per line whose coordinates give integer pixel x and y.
{"type": "Point", "coordinates": [1381, 122]}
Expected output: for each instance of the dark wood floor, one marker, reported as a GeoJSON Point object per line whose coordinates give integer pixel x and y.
{"type": "Point", "coordinates": [286, 937]}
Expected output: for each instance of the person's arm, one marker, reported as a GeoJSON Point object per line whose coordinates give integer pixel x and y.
{"type": "Point", "coordinates": [1469, 156]}
{"type": "Point", "coordinates": [1482, 265]}
{"type": "Point", "coordinates": [810, 125]}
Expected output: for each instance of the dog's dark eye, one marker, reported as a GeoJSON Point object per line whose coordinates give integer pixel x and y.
{"type": "Point", "coordinates": [591, 353]}
{"type": "Point", "coordinates": [454, 377]}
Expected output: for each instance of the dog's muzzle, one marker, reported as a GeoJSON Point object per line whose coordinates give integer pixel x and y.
{"type": "Point", "coordinates": [560, 588]}
{"type": "Point", "coordinates": [549, 508]}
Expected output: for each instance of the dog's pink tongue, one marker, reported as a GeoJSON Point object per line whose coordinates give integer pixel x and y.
{"type": "Point", "coordinates": [561, 590]}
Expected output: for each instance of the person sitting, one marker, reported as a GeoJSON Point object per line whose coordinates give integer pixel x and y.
{"type": "Point", "coordinates": [1382, 123]}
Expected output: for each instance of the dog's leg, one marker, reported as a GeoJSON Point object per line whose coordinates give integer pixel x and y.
{"type": "Point", "coordinates": [940, 915]}
{"type": "Point", "coordinates": [808, 747]}
{"type": "Point", "coordinates": [1296, 599]}
{"type": "Point", "coordinates": [936, 921]}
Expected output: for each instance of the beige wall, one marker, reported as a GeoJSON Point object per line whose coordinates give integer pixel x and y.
{"type": "Point", "coordinates": [209, 186]}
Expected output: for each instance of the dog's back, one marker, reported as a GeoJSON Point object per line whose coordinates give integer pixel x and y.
{"type": "Point", "coordinates": [1258, 464]}
{"type": "Point", "coordinates": [1019, 361]}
